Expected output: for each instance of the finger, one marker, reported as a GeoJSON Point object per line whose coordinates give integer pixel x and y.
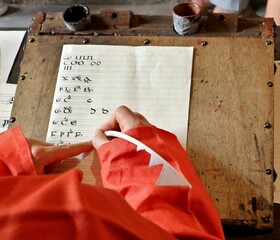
{"type": "Point", "coordinates": [33, 142]}
{"type": "Point", "coordinates": [99, 139]}
{"type": "Point", "coordinates": [118, 117]}
{"type": "Point", "coordinates": [111, 124]}
{"type": "Point", "coordinates": [128, 119]}
{"type": "Point", "coordinates": [143, 120]}
{"type": "Point", "coordinates": [55, 154]}
{"type": "Point", "coordinates": [124, 119]}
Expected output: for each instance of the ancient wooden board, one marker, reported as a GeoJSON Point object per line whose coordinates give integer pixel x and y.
{"type": "Point", "coordinates": [277, 130]}
{"type": "Point", "coordinates": [231, 102]}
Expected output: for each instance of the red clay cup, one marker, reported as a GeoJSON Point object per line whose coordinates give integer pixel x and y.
{"type": "Point", "coordinates": [186, 18]}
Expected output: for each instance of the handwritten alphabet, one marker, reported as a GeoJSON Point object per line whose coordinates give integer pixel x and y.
{"type": "Point", "coordinates": [95, 79]}
{"type": "Point", "coordinates": [72, 62]}
{"type": "Point", "coordinates": [6, 103]}
{"type": "Point", "coordinates": [67, 134]}
{"type": "Point", "coordinates": [75, 86]}
{"type": "Point", "coordinates": [4, 123]}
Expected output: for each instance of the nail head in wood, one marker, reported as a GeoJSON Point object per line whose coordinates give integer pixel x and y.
{"type": "Point", "coordinates": [146, 41]}
{"type": "Point", "coordinates": [245, 223]}
{"type": "Point", "coordinates": [22, 77]}
{"type": "Point", "coordinates": [267, 125]}
{"type": "Point", "coordinates": [203, 43]}
{"type": "Point", "coordinates": [12, 119]}
{"type": "Point", "coordinates": [270, 84]}
{"type": "Point", "coordinates": [266, 219]}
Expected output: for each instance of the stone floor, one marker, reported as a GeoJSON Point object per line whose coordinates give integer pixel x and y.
{"type": "Point", "coordinates": [20, 12]}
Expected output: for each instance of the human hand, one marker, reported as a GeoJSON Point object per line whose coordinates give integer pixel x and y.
{"type": "Point", "coordinates": [122, 120]}
{"type": "Point", "coordinates": [44, 154]}
{"type": "Point", "coordinates": [273, 11]}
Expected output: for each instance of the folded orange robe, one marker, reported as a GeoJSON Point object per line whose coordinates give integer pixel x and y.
{"type": "Point", "coordinates": [61, 207]}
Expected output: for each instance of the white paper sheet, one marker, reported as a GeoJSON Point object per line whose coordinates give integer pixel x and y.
{"type": "Point", "coordinates": [7, 92]}
{"type": "Point", "coordinates": [10, 42]}
{"type": "Point", "coordinates": [93, 80]}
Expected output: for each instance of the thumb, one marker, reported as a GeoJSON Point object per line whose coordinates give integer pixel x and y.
{"type": "Point", "coordinates": [99, 139]}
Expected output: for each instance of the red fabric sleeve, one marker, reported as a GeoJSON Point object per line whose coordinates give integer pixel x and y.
{"type": "Point", "coordinates": [59, 206]}
{"type": "Point", "coordinates": [15, 157]}
{"type": "Point", "coordinates": [181, 211]}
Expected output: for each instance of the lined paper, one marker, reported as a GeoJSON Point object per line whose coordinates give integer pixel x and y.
{"type": "Point", "coordinates": [10, 42]}
{"type": "Point", "coordinates": [93, 80]}
{"type": "Point", "coordinates": [7, 92]}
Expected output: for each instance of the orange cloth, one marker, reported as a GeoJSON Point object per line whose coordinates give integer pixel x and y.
{"type": "Point", "coordinates": [181, 211]}
{"type": "Point", "coordinates": [61, 207]}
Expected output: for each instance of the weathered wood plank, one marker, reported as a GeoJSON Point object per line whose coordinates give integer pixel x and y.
{"type": "Point", "coordinates": [227, 25]}
{"type": "Point", "coordinates": [231, 100]}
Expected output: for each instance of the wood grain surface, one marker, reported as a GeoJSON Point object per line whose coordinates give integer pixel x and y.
{"type": "Point", "coordinates": [277, 131]}
{"type": "Point", "coordinates": [231, 123]}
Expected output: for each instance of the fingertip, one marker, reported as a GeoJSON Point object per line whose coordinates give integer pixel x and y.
{"type": "Point", "coordinates": [88, 144]}
{"type": "Point", "coordinates": [99, 139]}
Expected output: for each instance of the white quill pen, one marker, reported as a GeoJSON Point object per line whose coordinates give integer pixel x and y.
{"type": "Point", "coordinates": [169, 176]}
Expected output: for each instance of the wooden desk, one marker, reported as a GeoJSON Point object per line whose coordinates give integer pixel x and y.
{"type": "Point", "coordinates": [277, 130]}
{"type": "Point", "coordinates": [230, 137]}
{"type": "Point", "coordinates": [242, 232]}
